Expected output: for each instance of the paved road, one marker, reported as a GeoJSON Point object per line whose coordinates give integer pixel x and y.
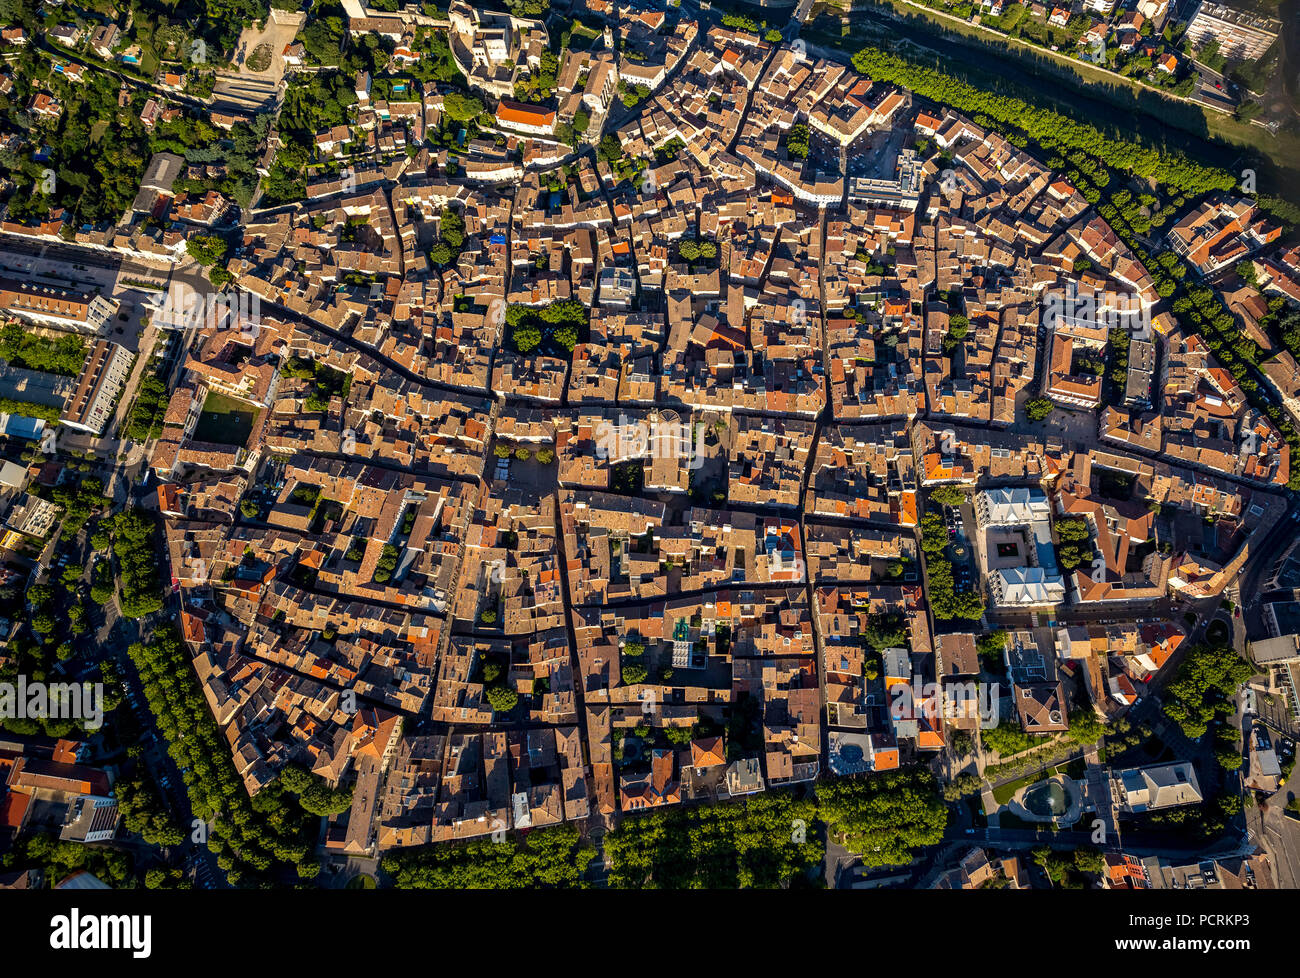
{"type": "Point", "coordinates": [1097, 792]}
{"type": "Point", "coordinates": [18, 252]}
{"type": "Point", "coordinates": [1277, 834]}
{"type": "Point", "coordinates": [1259, 568]}
{"type": "Point", "coordinates": [162, 769]}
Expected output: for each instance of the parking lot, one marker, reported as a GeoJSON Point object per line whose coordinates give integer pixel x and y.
{"type": "Point", "coordinates": [875, 155]}
{"type": "Point", "coordinates": [823, 153]}
{"type": "Point", "coordinates": [126, 282]}
{"type": "Point", "coordinates": [961, 547]}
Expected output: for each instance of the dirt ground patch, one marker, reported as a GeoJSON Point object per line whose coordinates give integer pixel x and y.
{"type": "Point", "coordinates": [275, 36]}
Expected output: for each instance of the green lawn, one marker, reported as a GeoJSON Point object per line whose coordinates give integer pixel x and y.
{"type": "Point", "coordinates": [1003, 794]}
{"type": "Point", "coordinates": [1008, 821]}
{"type": "Point", "coordinates": [225, 420]}
{"type": "Point", "coordinates": [1076, 769]}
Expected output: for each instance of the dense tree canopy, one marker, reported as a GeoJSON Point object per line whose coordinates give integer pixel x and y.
{"type": "Point", "coordinates": [133, 548]}
{"type": "Point", "coordinates": [144, 812]}
{"type": "Point", "coordinates": [763, 841]}
{"type": "Point", "coordinates": [250, 836]}
{"type": "Point", "coordinates": [64, 356]}
{"type": "Point", "coordinates": [315, 795]}
{"type": "Point", "coordinates": [1168, 166]}
{"type": "Point", "coordinates": [1203, 686]}
{"type": "Point", "coordinates": [885, 818]}
{"type": "Point", "coordinates": [550, 858]}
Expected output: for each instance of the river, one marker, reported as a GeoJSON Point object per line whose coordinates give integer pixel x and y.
{"type": "Point", "coordinates": [1112, 108]}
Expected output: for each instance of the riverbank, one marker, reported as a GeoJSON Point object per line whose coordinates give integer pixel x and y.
{"type": "Point", "coordinates": [1129, 112]}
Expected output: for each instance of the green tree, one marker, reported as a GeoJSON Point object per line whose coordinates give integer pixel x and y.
{"type": "Point", "coordinates": [502, 698]}
{"type": "Point", "coordinates": [206, 249]}
{"type": "Point", "coordinates": [610, 149]}
{"type": "Point", "coordinates": [797, 141]}
{"type": "Point", "coordinates": [461, 107]}
{"type": "Point", "coordinates": [992, 645]}
{"type": "Point", "coordinates": [947, 495]}
{"type": "Point", "coordinates": [1073, 529]}
{"type": "Point", "coordinates": [1038, 408]}
{"type": "Point", "coordinates": [526, 338]}
{"type": "Point", "coordinates": [1203, 688]}
{"type": "Point", "coordinates": [885, 632]}
{"type": "Point", "coordinates": [549, 858]}
{"type": "Point", "coordinates": [1007, 738]}
{"type": "Point", "coordinates": [734, 845]}
{"type": "Point", "coordinates": [314, 795]}
{"type": "Point", "coordinates": [885, 818]}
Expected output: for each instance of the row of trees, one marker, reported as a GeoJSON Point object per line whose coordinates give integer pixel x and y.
{"type": "Point", "coordinates": [774, 839]}
{"type": "Point", "coordinates": [765, 841]}
{"type": "Point", "coordinates": [1086, 153]}
{"type": "Point", "coordinates": [250, 836]}
{"type": "Point", "coordinates": [31, 409]}
{"type": "Point", "coordinates": [1169, 167]}
{"type": "Point", "coordinates": [1198, 308]}
{"type": "Point", "coordinates": [137, 560]}
{"type": "Point", "coordinates": [550, 858]}
{"type": "Point", "coordinates": [945, 601]}
{"type": "Point", "coordinates": [149, 409]}
{"type": "Point", "coordinates": [64, 356]}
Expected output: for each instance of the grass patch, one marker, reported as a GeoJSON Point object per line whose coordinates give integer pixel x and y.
{"type": "Point", "coordinates": [1076, 769]}
{"type": "Point", "coordinates": [260, 59]}
{"type": "Point", "coordinates": [225, 420]}
{"type": "Point", "coordinates": [1003, 794]}
{"type": "Point", "coordinates": [1008, 821]}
